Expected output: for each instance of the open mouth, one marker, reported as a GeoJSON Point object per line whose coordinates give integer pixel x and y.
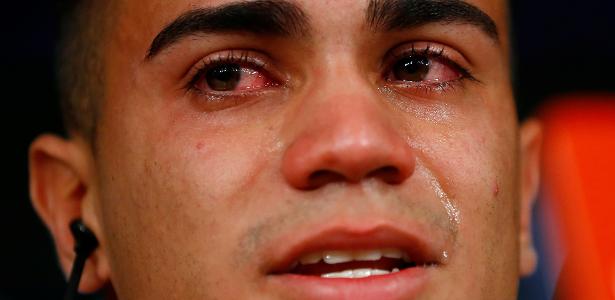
{"type": "Point", "coordinates": [353, 255]}
{"type": "Point", "coordinates": [350, 261]}
{"type": "Point", "coordinates": [356, 263]}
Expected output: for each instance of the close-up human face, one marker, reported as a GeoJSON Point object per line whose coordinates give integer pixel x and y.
{"type": "Point", "coordinates": [308, 150]}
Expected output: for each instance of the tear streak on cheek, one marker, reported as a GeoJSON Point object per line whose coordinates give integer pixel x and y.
{"type": "Point", "coordinates": [451, 208]}
{"type": "Point", "coordinates": [449, 205]}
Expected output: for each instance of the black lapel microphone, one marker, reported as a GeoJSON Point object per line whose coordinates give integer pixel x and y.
{"type": "Point", "coordinates": [85, 243]}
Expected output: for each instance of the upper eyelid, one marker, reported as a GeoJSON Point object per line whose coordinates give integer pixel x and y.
{"type": "Point", "coordinates": [244, 58]}
{"type": "Point", "coordinates": [427, 48]}
{"type": "Point", "coordinates": [228, 56]}
{"type": "Point", "coordinates": [457, 61]}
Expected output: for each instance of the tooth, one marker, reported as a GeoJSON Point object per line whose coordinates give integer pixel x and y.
{"type": "Point", "coordinates": [361, 273]}
{"type": "Point", "coordinates": [367, 255]}
{"type": "Point", "coordinates": [311, 258]}
{"type": "Point", "coordinates": [380, 272]}
{"type": "Point", "coordinates": [357, 273]}
{"type": "Point", "coordinates": [392, 253]}
{"type": "Point", "coordinates": [395, 270]}
{"type": "Point", "coordinates": [336, 257]}
{"type": "Point", "coordinates": [343, 274]}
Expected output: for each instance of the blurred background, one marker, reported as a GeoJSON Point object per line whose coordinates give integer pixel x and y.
{"type": "Point", "coordinates": [565, 67]}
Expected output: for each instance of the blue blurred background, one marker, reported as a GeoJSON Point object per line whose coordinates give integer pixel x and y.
{"type": "Point", "coordinates": [561, 46]}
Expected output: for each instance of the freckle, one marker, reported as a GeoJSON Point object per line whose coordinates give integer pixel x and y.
{"type": "Point", "coordinates": [199, 146]}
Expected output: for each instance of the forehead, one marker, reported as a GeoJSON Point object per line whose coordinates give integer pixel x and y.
{"type": "Point", "coordinates": [495, 7]}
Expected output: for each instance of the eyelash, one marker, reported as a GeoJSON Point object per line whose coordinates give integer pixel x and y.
{"type": "Point", "coordinates": [434, 53]}
{"type": "Point", "coordinates": [245, 58]}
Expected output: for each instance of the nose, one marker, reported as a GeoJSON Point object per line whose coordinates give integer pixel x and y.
{"type": "Point", "coordinates": [346, 138]}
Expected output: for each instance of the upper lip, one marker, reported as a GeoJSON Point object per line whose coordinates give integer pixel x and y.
{"type": "Point", "coordinates": [414, 239]}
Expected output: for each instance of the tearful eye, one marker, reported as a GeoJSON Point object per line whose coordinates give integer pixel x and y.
{"type": "Point", "coordinates": [224, 77]}
{"type": "Point", "coordinates": [425, 67]}
{"type": "Point", "coordinates": [412, 68]}
{"type": "Point", "coordinates": [231, 78]}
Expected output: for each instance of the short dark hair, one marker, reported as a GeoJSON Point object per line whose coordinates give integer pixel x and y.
{"type": "Point", "coordinates": [80, 63]}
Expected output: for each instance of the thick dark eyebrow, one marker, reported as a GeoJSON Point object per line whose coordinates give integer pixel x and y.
{"type": "Point", "coordinates": [268, 17]}
{"type": "Point", "coordinates": [390, 15]}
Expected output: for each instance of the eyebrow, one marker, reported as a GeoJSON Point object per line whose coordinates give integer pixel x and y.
{"type": "Point", "coordinates": [283, 18]}
{"type": "Point", "coordinates": [265, 17]}
{"type": "Point", "coordinates": [391, 15]}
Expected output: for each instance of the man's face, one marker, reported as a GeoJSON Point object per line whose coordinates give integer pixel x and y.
{"type": "Point", "coordinates": [249, 143]}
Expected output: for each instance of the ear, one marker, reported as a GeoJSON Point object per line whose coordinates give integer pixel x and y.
{"type": "Point", "coordinates": [62, 190]}
{"type": "Point", "coordinates": [531, 142]}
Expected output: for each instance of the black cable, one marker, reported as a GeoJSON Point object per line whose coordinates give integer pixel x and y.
{"type": "Point", "coordinates": [75, 278]}
{"type": "Point", "coordinates": [85, 243]}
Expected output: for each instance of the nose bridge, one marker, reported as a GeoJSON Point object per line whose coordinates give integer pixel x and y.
{"type": "Point", "coordinates": [350, 120]}
{"type": "Point", "coordinates": [342, 100]}
{"type": "Point", "coordinates": [343, 132]}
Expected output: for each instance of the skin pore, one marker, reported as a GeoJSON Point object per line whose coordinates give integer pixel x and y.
{"type": "Point", "coordinates": [224, 150]}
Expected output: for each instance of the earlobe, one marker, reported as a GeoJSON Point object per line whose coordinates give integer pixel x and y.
{"type": "Point", "coordinates": [60, 184]}
{"type": "Point", "coordinates": [531, 141]}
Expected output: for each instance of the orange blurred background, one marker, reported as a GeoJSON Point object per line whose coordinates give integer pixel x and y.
{"type": "Point", "coordinates": [578, 181]}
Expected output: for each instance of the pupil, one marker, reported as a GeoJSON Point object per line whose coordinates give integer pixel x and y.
{"type": "Point", "coordinates": [224, 77]}
{"type": "Point", "coordinates": [411, 68]}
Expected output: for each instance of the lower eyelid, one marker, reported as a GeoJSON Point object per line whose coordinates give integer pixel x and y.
{"type": "Point", "coordinates": [426, 89]}
{"type": "Point", "coordinates": [211, 102]}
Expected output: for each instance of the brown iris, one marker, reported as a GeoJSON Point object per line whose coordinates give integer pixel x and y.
{"type": "Point", "coordinates": [412, 68]}
{"type": "Point", "coordinates": [224, 77]}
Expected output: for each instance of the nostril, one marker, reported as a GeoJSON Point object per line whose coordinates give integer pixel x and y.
{"type": "Point", "coordinates": [323, 177]}
{"type": "Point", "coordinates": [388, 174]}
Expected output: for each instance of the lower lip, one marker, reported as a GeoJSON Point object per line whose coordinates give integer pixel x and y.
{"type": "Point", "coordinates": [405, 284]}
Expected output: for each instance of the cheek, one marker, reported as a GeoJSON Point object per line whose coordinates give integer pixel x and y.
{"type": "Point", "coordinates": [220, 168]}
{"type": "Point", "coordinates": [180, 189]}
{"type": "Point", "coordinates": [483, 182]}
